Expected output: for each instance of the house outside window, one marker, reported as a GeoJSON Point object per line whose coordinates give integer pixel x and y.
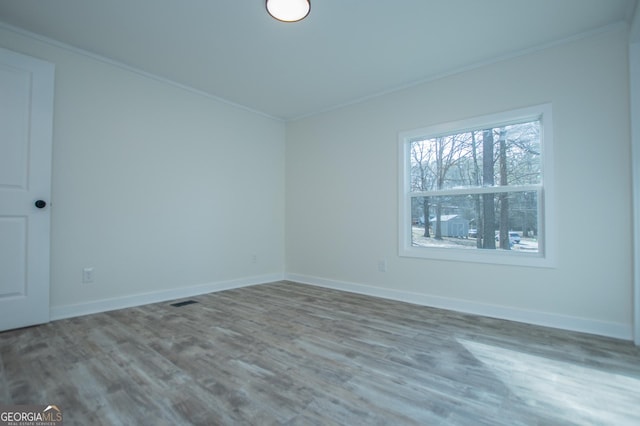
{"type": "Point", "coordinates": [479, 189]}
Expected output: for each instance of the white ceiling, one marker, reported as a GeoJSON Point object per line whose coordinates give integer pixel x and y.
{"type": "Point", "coordinates": [346, 50]}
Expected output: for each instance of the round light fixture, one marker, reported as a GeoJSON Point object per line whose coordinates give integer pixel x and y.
{"type": "Point", "coordinates": [288, 10]}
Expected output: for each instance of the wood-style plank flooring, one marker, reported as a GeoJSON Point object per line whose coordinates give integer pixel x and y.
{"type": "Point", "coordinates": [286, 353]}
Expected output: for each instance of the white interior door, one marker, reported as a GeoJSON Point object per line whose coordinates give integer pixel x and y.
{"type": "Point", "coordinates": [26, 111]}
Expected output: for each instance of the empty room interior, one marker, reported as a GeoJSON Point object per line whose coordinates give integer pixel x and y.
{"type": "Point", "coordinates": [358, 212]}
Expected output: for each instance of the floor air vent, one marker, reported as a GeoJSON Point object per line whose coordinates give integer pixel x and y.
{"type": "Point", "coordinates": [185, 303]}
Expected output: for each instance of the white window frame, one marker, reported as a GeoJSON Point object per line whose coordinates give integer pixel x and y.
{"type": "Point", "coordinates": [545, 257]}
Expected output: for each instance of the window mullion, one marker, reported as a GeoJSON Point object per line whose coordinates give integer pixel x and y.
{"type": "Point", "coordinates": [475, 190]}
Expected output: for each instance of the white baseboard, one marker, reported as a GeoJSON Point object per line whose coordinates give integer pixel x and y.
{"type": "Point", "coordinates": [97, 306]}
{"type": "Point", "coordinates": [603, 328]}
{"type": "Point", "coordinates": [564, 322]}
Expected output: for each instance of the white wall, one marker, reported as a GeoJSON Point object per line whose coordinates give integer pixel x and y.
{"type": "Point", "coordinates": [341, 186]}
{"type": "Point", "coordinates": [160, 189]}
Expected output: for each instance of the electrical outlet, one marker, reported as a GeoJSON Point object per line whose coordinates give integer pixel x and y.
{"type": "Point", "coordinates": [382, 265]}
{"type": "Point", "coordinates": [87, 275]}
{"type": "Point", "coordinates": [254, 258]}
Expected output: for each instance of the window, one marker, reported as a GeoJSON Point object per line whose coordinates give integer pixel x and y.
{"type": "Point", "coordinates": [479, 189]}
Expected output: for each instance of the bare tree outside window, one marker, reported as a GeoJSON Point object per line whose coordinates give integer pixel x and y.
{"type": "Point", "coordinates": [478, 188]}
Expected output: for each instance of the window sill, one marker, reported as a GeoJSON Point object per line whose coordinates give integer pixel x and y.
{"type": "Point", "coordinates": [496, 257]}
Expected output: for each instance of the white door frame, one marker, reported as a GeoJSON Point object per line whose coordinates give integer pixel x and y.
{"type": "Point", "coordinates": [634, 89]}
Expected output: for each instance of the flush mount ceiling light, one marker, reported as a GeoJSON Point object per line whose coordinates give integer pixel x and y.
{"type": "Point", "coordinates": [288, 10]}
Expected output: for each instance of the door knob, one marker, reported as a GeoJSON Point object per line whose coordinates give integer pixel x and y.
{"type": "Point", "coordinates": [41, 204]}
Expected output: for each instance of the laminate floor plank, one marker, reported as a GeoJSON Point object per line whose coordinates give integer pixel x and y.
{"type": "Point", "coordinates": [292, 354]}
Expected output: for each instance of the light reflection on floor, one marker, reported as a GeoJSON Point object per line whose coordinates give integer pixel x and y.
{"type": "Point", "coordinates": [572, 393]}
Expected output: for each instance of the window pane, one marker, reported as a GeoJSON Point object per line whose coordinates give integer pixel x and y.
{"type": "Point", "coordinates": [505, 155]}
{"type": "Point", "coordinates": [477, 221]}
